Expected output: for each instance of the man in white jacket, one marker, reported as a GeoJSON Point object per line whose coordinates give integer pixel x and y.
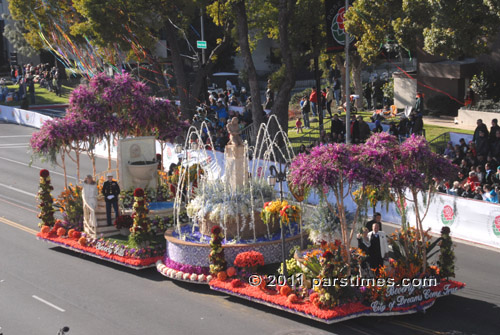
{"type": "Point", "coordinates": [378, 247]}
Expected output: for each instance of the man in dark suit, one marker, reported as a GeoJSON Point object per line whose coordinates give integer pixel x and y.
{"type": "Point", "coordinates": [378, 247]}
{"type": "Point", "coordinates": [111, 191]}
{"type": "Point", "coordinates": [377, 218]}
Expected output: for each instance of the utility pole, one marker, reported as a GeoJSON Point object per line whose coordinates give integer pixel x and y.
{"type": "Point", "coordinates": [347, 85]}
{"type": "Point", "coordinates": [202, 28]}
{"type": "Point", "coordinates": [202, 36]}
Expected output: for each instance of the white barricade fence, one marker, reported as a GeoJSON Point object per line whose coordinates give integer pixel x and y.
{"type": "Point", "coordinates": [23, 117]}
{"type": "Point", "coordinates": [472, 220]}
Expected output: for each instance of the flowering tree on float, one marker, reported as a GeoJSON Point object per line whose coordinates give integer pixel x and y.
{"type": "Point", "coordinates": [332, 168]}
{"type": "Point", "coordinates": [120, 107]}
{"type": "Point", "coordinates": [50, 141]}
{"type": "Point", "coordinates": [104, 103]}
{"type": "Point", "coordinates": [415, 168]}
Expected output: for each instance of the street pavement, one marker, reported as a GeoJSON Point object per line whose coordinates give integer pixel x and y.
{"type": "Point", "coordinates": [43, 288]}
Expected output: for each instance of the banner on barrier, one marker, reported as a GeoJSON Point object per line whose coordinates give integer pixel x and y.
{"type": "Point", "coordinates": [472, 220]}
{"type": "Point", "coordinates": [23, 117]}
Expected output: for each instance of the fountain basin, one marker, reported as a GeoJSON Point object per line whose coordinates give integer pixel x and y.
{"type": "Point", "coordinates": [196, 253]}
{"type": "Point", "coordinates": [142, 172]}
{"type": "Point", "coordinates": [261, 228]}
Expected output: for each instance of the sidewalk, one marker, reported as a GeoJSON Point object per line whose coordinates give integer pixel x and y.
{"type": "Point", "coordinates": [446, 121]}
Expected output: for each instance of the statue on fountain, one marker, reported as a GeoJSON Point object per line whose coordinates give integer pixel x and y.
{"type": "Point", "coordinates": [233, 129]}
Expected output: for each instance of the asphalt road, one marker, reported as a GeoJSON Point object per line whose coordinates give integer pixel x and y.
{"type": "Point", "coordinates": [43, 287]}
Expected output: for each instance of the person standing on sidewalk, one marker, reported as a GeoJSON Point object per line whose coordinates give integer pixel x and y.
{"type": "Point", "coordinates": [306, 109]}
{"type": "Point", "coordinates": [336, 91]}
{"type": "Point", "coordinates": [329, 100]}
{"type": "Point", "coordinates": [313, 99]}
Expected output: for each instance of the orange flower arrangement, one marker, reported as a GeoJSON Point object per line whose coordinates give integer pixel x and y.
{"type": "Point", "coordinates": [45, 229]}
{"type": "Point", "coordinates": [231, 271]}
{"type": "Point", "coordinates": [222, 275]}
{"type": "Point", "coordinates": [285, 290]}
{"type": "Point", "coordinates": [82, 241]}
{"type": "Point", "coordinates": [293, 299]}
{"type": "Point", "coordinates": [61, 231]}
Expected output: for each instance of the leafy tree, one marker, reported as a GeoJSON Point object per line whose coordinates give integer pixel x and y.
{"type": "Point", "coordinates": [448, 28]}
{"type": "Point", "coordinates": [13, 32]}
{"type": "Point", "coordinates": [140, 21]}
{"type": "Point", "coordinates": [277, 20]}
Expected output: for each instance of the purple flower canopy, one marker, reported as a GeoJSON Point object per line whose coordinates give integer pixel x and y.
{"type": "Point", "coordinates": [380, 162]}
{"type": "Point", "coordinates": [118, 105]}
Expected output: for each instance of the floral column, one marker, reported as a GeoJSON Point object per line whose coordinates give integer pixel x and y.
{"type": "Point", "coordinates": [46, 201]}
{"type": "Point", "coordinates": [140, 232]}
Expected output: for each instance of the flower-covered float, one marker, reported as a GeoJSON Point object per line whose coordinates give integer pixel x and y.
{"type": "Point", "coordinates": [332, 281]}
{"type": "Point", "coordinates": [107, 109]}
{"type": "Point", "coordinates": [229, 191]}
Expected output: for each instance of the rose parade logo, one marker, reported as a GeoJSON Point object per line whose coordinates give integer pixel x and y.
{"type": "Point", "coordinates": [338, 31]}
{"type": "Point", "coordinates": [447, 215]}
{"type": "Point", "coordinates": [495, 226]}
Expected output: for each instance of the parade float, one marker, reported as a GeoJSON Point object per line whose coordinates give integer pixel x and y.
{"type": "Point", "coordinates": [106, 110]}
{"type": "Point", "coordinates": [217, 219]}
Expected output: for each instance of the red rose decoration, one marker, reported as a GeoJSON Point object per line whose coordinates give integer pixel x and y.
{"type": "Point", "coordinates": [139, 192]}
{"type": "Point", "coordinates": [448, 213]}
{"type": "Point", "coordinates": [328, 254]}
{"type": "Point", "coordinates": [44, 173]}
{"type": "Point", "coordinates": [236, 283]}
{"type": "Point", "coordinates": [216, 230]}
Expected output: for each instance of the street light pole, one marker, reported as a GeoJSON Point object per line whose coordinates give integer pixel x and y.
{"type": "Point", "coordinates": [280, 177]}
{"type": "Point", "coordinates": [347, 84]}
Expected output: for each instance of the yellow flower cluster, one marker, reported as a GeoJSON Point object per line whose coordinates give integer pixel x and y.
{"type": "Point", "coordinates": [278, 209]}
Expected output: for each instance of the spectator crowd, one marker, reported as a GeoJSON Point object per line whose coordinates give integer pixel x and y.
{"type": "Point", "coordinates": [479, 163]}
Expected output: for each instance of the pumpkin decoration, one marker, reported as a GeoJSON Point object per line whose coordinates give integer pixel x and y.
{"type": "Point", "coordinates": [222, 275]}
